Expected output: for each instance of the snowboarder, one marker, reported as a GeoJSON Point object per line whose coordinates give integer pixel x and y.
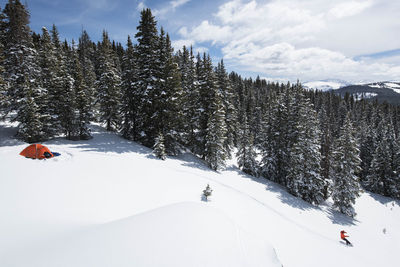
{"type": "Point", "coordinates": [343, 237]}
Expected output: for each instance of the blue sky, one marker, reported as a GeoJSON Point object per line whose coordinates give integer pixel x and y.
{"type": "Point", "coordinates": [352, 40]}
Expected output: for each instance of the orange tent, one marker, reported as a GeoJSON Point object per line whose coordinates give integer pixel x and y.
{"type": "Point", "coordinates": [36, 151]}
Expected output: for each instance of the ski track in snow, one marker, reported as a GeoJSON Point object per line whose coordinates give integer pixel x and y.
{"type": "Point", "coordinates": [261, 203]}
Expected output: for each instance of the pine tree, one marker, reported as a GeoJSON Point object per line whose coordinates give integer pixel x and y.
{"type": "Point", "coordinates": [30, 126]}
{"type": "Point", "coordinates": [20, 62]}
{"type": "Point", "coordinates": [368, 144]}
{"type": "Point", "coordinates": [132, 117]}
{"type": "Point", "coordinates": [345, 166]}
{"type": "Point", "coordinates": [49, 64]}
{"type": "Point", "coordinates": [171, 97]}
{"type": "Point", "coordinates": [82, 99]}
{"type": "Point", "coordinates": [277, 137]}
{"type": "Point", "coordinates": [4, 99]}
{"type": "Point", "coordinates": [109, 91]}
{"type": "Point", "coordinates": [304, 179]}
{"type": "Point", "coordinates": [383, 177]}
{"type": "Point", "coordinates": [159, 147]}
{"type": "Point", "coordinates": [86, 55]}
{"type": "Point", "coordinates": [215, 154]}
{"type": "Point", "coordinates": [326, 143]}
{"type": "Point", "coordinates": [67, 96]}
{"type": "Point", "coordinates": [206, 102]}
{"type": "Point", "coordinates": [207, 192]}
{"type": "Point", "coordinates": [246, 153]}
{"type": "Point", "coordinates": [60, 104]}
{"type": "Point", "coordinates": [147, 38]}
{"type": "Point", "coordinates": [191, 107]}
{"type": "Point", "coordinates": [268, 145]}
{"type": "Point", "coordinates": [225, 87]}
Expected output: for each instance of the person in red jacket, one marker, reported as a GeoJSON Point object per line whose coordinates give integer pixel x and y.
{"type": "Point", "coordinates": [343, 237]}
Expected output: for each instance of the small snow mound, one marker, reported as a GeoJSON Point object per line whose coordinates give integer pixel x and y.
{"type": "Point", "coordinates": [183, 234]}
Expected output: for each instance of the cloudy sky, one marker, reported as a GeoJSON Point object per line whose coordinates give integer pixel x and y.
{"type": "Point", "coordinates": [351, 40]}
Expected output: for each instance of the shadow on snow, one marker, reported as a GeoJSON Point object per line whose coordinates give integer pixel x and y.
{"type": "Point", "coordinates": [104, 142]}
{"type": "Point", "coordinates": [7, 136]}
{"type": "Point", "coordinates": [296, 202]}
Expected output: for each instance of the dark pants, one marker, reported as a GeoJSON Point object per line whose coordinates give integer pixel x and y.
{"type": "Point", "coordinates": [347, 241]}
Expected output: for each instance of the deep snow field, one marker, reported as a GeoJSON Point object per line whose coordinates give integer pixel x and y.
{"type": "Point", "coordinates": [110, 202]}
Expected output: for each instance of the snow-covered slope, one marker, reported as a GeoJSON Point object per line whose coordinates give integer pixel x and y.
{"type": "Point", "coordinates": [109, 202]}
{"type": "Point", "coordinates": [325, 85]}
{"type": "Point", "coordinates": [395, 86]}
{"type": "Point", "coordinates": [183, 234]}
{"type": "Point", "coordinates": [382, 91]}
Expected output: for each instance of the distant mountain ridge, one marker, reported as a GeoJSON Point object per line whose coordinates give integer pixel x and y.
{"type": "Point", "coordinates": [382, 91]}
{"type": "Point", "coordinates": [326, 85]}
{"type": "Point", "coordinates": [388, 91]}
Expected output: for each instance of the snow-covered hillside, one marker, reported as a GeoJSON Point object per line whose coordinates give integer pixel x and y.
{"type": "Point", "coordinates": [395, 86]}
{"type": "Point", "coordinates": [325, 85]}
{"type": "Point", "coordinates": [110, 202]}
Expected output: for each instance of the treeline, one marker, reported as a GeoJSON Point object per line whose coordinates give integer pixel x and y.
{"type": "Point", "coordinates": [318, 145]}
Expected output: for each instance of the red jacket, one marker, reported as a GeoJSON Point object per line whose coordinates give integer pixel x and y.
{"type": "Point", "coordinates": [342, 235]}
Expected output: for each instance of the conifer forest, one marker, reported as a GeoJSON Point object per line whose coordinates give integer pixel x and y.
{"type": "Point", "coordinates": [318, 145]}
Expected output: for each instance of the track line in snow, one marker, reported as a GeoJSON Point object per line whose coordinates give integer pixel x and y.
{"type": "Point", "coordinates": [259, 202]}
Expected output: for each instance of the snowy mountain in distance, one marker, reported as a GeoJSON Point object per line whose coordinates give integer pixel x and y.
{"type": "Point", "coordinates": [395, 86]}
{"type": "Point", "coordinates": [325, 85]}
{"type": "Point", "coordinates": [387, 91]}
{"type": "Point", "coordinates": [109, 202]}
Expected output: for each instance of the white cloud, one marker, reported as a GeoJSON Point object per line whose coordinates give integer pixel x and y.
{"type": "Point", "coordinates": [284, 60]}
{"type": "Point", "coordinates": [172, 5]}
{"type": "Point", "coordinates": [200, 50]}
{"type": "Point", "coordinates": [350, 8]}
{"type": "Point", "coordinates": [209, 32]}
{"type": "Point", "coordinates": [141, 6]}
{"type": "Point", "coordinates": [311, 39]}
{"type": "Point", "coordinates": [178, 3]}
{"type": "Point", "coordinates": [178, 44]}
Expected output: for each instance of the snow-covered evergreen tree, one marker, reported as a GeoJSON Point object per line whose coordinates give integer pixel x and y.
{"type": "Point", "coordinates": [368, 144]}
{"type": "Point", "coordinates": [109, 90]}
{"type": "Point", "coordinates": [65, 95]}
{"type": "Point", "coordinates": [215, 153]}
{"type": "Point", "coordinates": [86, 55]}
{"type": "Point", "coordinates": [159, 147]}
{"type": "Point", "coordinates": [49, 64]}
{"type": "Point", "coordinates": [171, 101]}
{"type": "Point", "coordinates": [383, 177]}
{"type": "Point", "coordinates": [207, 97]}
{"type": "Point", "coordinates": [22, 72]}
{"type": "Point", "coordinates": [4, 100]}
{"type": "Point", "coordinates": [147, 51]}
{"type": "Point", "coordinates": [190, 98]}
{"type": "Point", "coordinates": [30, 126]}
{"type": "Point", "coordinates": [246, 154]}
{"type": "Point", "coordinates": [304, 178]}
{"type": "Point", "coordinates": [224, 85]}
{"type": "Point", "coordinates": [207, 192]}
{"type": "Point", "coordinates": [344, 168]}
{"type": "Point", "coordinates": [326, 143]}
{"type": "Point", "coordinates": [83, 107]}
{"type": "Point", "coordinates": [277, 137]}
{"type": "Point", "coordinates": [132, 117]}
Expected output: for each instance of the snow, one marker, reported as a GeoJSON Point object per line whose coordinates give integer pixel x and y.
{"type": "Point", "coordinates": [109, 202]}
{"type": "Point", "coordinates": [364, 95]}
{"type": "Point", "coordinates": [375, 85]}
{"type": "Point", "coordinates": [325, 85]}
{"type": "Point", "coordinates": [392, 85]}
